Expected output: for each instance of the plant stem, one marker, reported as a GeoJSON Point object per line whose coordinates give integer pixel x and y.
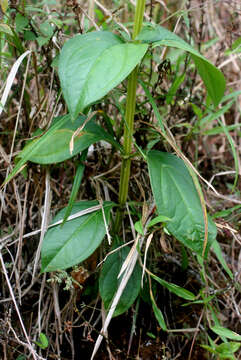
{"type": "Point", "coordinates": [129, 121]}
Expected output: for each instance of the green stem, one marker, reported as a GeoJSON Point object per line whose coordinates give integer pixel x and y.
{"type": "Point", "coordinates": [129, 121]}
{"type": "Point", "coordinates": [139, 14]}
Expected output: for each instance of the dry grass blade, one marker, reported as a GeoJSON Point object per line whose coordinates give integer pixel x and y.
{"type": "Point", "coordinates": [9, 83]}
{"type": "Point", "coordinates": [11, 78]}
{"type": "Point", "coordinates": [78, 131]}
{"type": "Point", "coordinates": [148, 243]}
{"type": "Point", "coordinates": [45, 220]}
{"type": "Point", "coordinates": [31, 349]}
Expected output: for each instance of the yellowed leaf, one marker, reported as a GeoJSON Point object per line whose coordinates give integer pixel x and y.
{"type": "Point", "coordinates": [4, 28]}
{"type": "Point", "coordinates": [4, 5]}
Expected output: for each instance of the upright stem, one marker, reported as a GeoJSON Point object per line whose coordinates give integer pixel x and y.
{"type": "Point", "coordinates": [129, 120]}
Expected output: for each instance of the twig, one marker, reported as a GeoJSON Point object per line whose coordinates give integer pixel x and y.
{"type": "Point", "coordinates": [16, 307]}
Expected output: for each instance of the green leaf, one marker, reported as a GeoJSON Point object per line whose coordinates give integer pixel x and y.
{"type": "Point", "coordinates": [68, 245]}
{"type": "Point", "coordinates": [226, 212]}
{"type": "Point", "coordinates": [218, 252]}
{"type": "Point", "coordinates": [236, 47]}
{"type": "Point", "coordinates": [29, 9]}
{"type": "Point", "coordinates": [59, 23]}
{"type": "Point", "coordinates": [46, 29]}
{"type": "Point", "coordinates": [175, 289]}
{"type": "Point", "coordinates": [154, 106]}
{"type": "Point", "coordinates": [77, 181]}
{"type": "Point", "coordinates": [43, 343]}
{"type": "Point", "coordinates": [237, 44]}
{"type": "Point", "coordinates": [21, 22]}
{"type": "Point", "coordinates": [224, 350]}
{"type": "Point", "coordinates": [92, 64]}
{"type": "Point", "coordinates": [158, 219]}
{"type": "Point", "coordinates": [234, 153]}
{"type": "Point", "coordinates": [29, 35]}
{"type": "Point", "coordinates": [44, 340]}
{"type": "Point", "coordinates": [139, 227]}
{"type": "Point", "coordinates": [229, 334]}
{"type": "Point", "coordinates": [109, 283]}
{"type": "Point", "coordinates": [211, 76]}
{"type": "Point", "coordinates": [42, 40]}
{"type": "Point", "coordinates": [158, 314]}
{"type": "Point", "coordinates": [176, 196]}
{"type": "Point", "coordinates": [54, 145]}
{"type": "Point", "coordinates": [151, 335]}
{"type": "Point", "coordinates": [214, 115]}
{"type": "Point", "coordinates": [174, 87]}
{"type": "Point", "coordinates": [227, 348]}
{"type": "Point", "coordinates": [219, 129]}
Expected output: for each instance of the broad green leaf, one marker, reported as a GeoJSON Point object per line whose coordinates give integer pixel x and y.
{"type": "Point", "coordinates": [229, 334]}
{"type": "Point", "coordinates": [175, 289]}
{"type": "Point", "coordinates": [211, 76]}
{"type": "Point", "coordinates": [109, 283]}
{"type": "Point", "coordinates": [158, 314]}
{"type": "Point", "coordinates": [176, 196]}
{"type": "Point", "coordinates": [30, 150]}
{"type": "Point", "coordinates": [68, 245]}
{"type": "Point", "coordinates": [21, 22]}
{"type": "Point", "coordinates": [29, 35]}
{"type": "Point", "coordinates": [54, 145]}
{"type": "Point", "coordinates": [92, 64]}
